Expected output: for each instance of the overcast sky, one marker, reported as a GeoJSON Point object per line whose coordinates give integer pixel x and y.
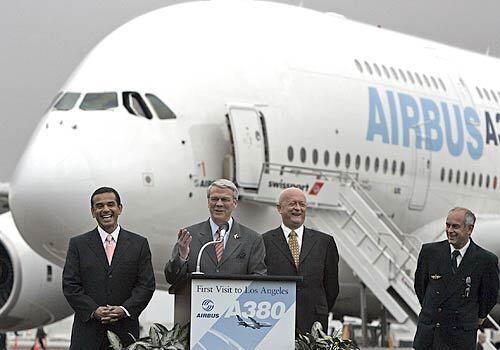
{"type": "Point", "coordinates": [41, 42]}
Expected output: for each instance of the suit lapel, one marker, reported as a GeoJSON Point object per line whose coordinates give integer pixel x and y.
{"type": "Point", "coordinates": [232, 244]}
{"type": "Point", "coordinates": [121, 247]}
{"type": "Point", "coordinates": [205, 236]}
{"type": "Point", "coordinates": [308, 242]}
{"type": "Point", "coordinates": [96, 246]}
{"type": "Point", "coordinates": [281, 244]}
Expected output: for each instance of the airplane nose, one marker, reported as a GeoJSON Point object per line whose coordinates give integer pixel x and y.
{"type": "Point", "coordinates": [52, 169]}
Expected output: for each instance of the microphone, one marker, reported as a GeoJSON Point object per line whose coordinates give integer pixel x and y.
{"type": "Point", "coordinates": [223, 228]}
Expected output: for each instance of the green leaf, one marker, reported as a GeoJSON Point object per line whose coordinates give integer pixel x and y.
{"type": "Point", "coordinates": [114, 341]}
{"type": "Point", "coordinates": [155, 336]}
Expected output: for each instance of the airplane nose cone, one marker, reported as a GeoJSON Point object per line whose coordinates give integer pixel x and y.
{"type": "Point", "coordinates": [52, 170]}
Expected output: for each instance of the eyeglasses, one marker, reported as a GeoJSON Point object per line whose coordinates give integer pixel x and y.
{"type": "Point", "coordinates": [224, 200]}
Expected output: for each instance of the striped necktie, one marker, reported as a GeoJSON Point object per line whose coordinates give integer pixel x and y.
{"type": "Point", "coordinates": [219, 247]}
{"type": "Point", "coordinates": [454, 262]}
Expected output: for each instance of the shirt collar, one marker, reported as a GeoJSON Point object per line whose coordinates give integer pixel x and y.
{"type": "Point", "coordinates": [462, 251]}
{"type": "Point", "coordinates": [215, 227]}
{"type": "Point", "coordinates": [299, 231]}
{"type": "Point", "coordinates": [104, 234]}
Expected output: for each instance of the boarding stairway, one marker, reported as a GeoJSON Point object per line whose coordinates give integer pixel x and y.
{"type": "Point", "coordinates": [383, 257]}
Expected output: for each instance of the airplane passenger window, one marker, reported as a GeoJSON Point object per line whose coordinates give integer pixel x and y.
{"type": "Point", "coordinates": [457, 178]}
{"type": "Point", "coordinates": [486, 94]}
{"type": "Point", "coordinates": [394, 167]}
{"type": "Point", "coordinates": [442, 174]}
{"type": "Point", "coordinates": [434, 83]}
{"type": "Point", "coordinates": [357, 163]}
{"type": "Point", "coordinates": [479, 92]}
{"type": "Point", "coordinates": [465, 178]}
{"type": "Point", "coordinates": [402, 168]}
{"type": "Point", "coordinates": [418, 79]}
{"type": "Point", "coordinates": [347, 161]}
{"type": "Point", "coordinates": [315, 156]}
{"type": "Point", "coordinates": [367, 163]}
{"type": "Point", "coordinates": [377, 69]}
{"type": "Point", "coordinates": [326, 158]}
{"type": "Point", "coordinates": [386, 72]}
{"type": "Point", "coordinates": [410, 77]}
{"type": "Point", "coordinates": [67, 101]}
{"type": "Point", "coordinates": [359, 66]}
{"type": "Point", "coordinates": [494, 96]}
{"type": "Point", "coordinates": [337, 159]}
{"type": "Point", "coordinates": [303, 155]}
{"type": "Point", "coordinates": [99, 101]}
{"type": "Point", "coordinates": [290, 153]}
{"type": "Point", "coordinates": [386, 165]}
{"type": "Point", "coordinates": [368, 68]}
{"type": "Point", "coordinates": [426, 80]}
{"type": "Point", "coordinates": [161, 109]}
{"type": "Point", "coordinates": [487, 181]}
{"type": "Point", "coordinates": [376, 164]}
{"type": "Point", "coordinates": [450, 175]}
{"type": "Point", "coordinates": [480, 180]}
{"type": "Point", "coordinates": [402, 74]}
{"type": "Point", "coordinates": [473, 179]}
{"type": "Point", "coordinates": [134, 103]}
{"type": "Point", "coordinates": [395, 75]}
{"type": "Point", "coordinates": [442, 84]}
{"type": "Point", "coordinates": [495, 182]}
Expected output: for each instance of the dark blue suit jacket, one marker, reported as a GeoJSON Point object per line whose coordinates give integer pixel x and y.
{"type": "Point", "coordinates": [318, 265]}
{"type": "Point", "coordinates": [89, 282]}
{"type": "Point", "coordinates": [446, 304]}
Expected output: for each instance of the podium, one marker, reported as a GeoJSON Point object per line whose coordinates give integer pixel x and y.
{"type": "Point", "coordinates": [237, 311]}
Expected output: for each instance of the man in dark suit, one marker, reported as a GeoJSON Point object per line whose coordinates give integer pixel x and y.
{"type": "Point", "coordinates": [108, 277]}
{"type": "Point", "coordinates": [241, 252]}
{"type": "Point", "coordinates": [456, 282]}
{"type": "Point", "coordinates": [294, 250]}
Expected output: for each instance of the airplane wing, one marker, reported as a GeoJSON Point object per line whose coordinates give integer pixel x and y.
{"type": "Point", "coordinates": [4, 197]}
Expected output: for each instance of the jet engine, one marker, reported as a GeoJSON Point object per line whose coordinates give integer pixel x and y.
{"type": "Point", "coordinates": [30, 286]}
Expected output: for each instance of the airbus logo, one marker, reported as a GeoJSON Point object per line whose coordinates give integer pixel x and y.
{"type": "Point", "coordinates": [207, 305]}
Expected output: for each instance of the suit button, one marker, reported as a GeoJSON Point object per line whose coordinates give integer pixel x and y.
{"type": "Point", "coordinates": [438, 292]}
{"type": "Point", "coordinates": [438, 325]}
{"type": "Point", "coordinates": [440, 309]}
{"type": "Point", "coordinates": [454, 327]}
{"type": "Point", "coordinates": [216, 270]}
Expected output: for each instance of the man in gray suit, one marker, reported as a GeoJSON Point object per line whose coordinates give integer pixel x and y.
{"type": "Point", "coordinates": [241, 252]}
{"type": "Point", "coordinates": [295, 250]}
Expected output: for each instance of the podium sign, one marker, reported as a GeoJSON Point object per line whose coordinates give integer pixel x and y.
{"type": "Point", "coordinates": [242, 314]}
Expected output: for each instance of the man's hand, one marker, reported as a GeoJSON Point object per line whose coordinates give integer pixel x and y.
{"type": "Point", "coordinates": [102, 314]}
{"type": "Point", "coordinates": [116, 313]}
{"type": "Point", "coordinates": [184, 239]}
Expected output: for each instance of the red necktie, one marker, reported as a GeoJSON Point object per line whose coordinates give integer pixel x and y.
{"type": "Point", "coordinates": [110, 247]}
{"type": "Point", "coordinates": [219, 247]}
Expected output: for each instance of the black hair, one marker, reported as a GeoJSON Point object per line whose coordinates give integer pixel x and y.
{"type": "Point", "coordinates": [101, 190]}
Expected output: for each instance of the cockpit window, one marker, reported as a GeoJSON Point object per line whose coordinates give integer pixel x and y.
{"type": "Point", "coordinates": [134, 103]}
{"type": "Point", "coordinates": [161, 109]}
{"type": "Point", "coordinates": [67, 101]}
{"type": "Point", "coordinates": [99, 101]}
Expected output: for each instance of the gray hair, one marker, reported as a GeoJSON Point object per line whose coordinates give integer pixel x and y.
{"type": "Point", "coordinates": [223, 183]}
{"type": "Point", "coordinates": [469, 219]}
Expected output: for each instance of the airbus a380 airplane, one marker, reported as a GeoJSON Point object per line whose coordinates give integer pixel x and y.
{"type": "Point", "coordinates": [413, 123]}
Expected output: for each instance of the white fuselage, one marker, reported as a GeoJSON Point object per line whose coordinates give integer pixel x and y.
{"type": "Point", "coordinates": [299, 69]}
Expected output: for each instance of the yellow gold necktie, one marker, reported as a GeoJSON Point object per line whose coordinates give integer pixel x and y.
{"type": "Point", "coordinates": [293, 243]}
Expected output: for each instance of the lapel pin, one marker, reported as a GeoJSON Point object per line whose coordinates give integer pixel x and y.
{"type": "Point", "coordinates": [236, 236]}
{"type": "Point", "coordinates": [436, 277]}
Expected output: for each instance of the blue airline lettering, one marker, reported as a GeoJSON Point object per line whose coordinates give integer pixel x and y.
{"type": "Point", "coordinates": [430, 121]}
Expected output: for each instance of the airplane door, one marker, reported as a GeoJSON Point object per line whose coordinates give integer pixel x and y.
{"type": "Point", "coordinates": [249, 145]}
{"type": "Point", "coordinates": [422, 166]}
